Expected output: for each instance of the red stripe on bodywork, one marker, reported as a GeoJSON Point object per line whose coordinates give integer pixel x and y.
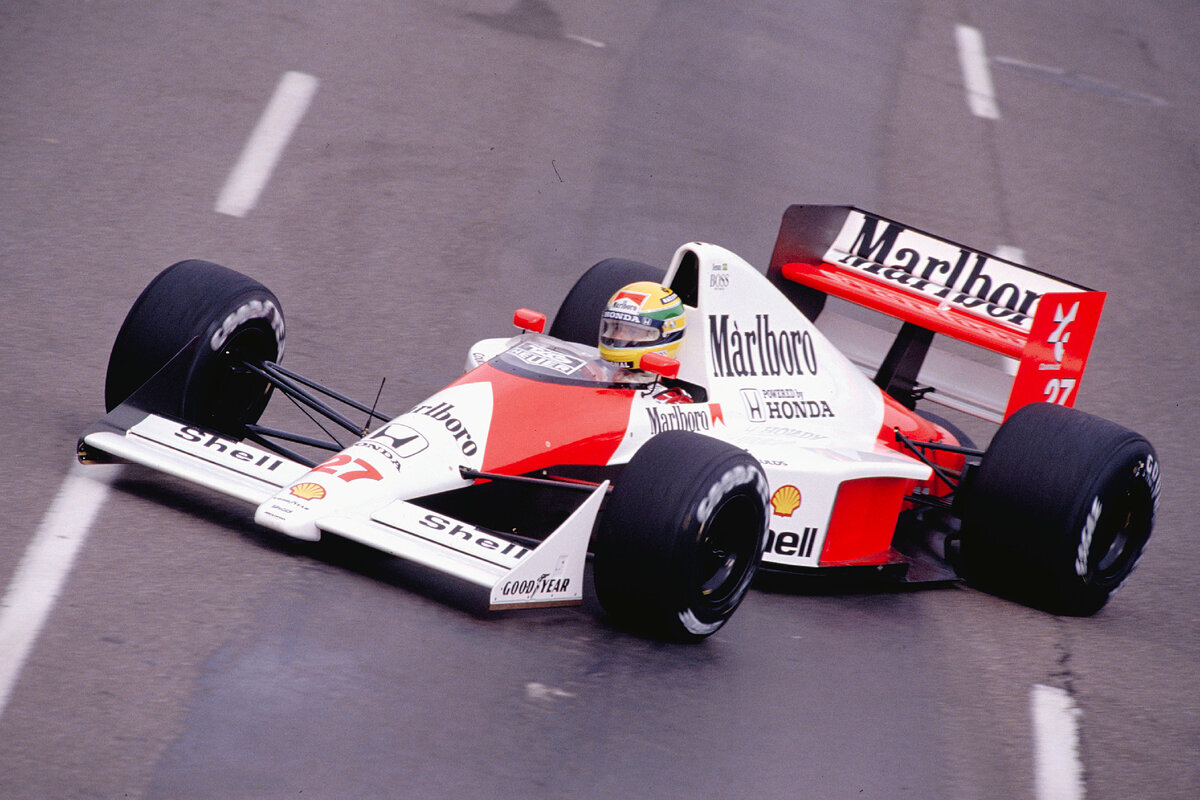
{"type": "Point", "coordinates": [918, 429]}
{"type": "Point", "coordinates": [863, 521]}
{"type": "Point", "coordinates": [536, 425]}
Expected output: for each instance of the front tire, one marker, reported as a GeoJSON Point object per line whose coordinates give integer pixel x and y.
{"type": "Point", "coordinates": [236, 318]}
{"type": "Point", "coordinates": [681, 537]}
{"type": "Point", "coordinates": [1060, 510]}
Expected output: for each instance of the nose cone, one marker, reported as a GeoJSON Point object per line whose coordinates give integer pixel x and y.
{"type": "Point", "coordinates": [416, 454]}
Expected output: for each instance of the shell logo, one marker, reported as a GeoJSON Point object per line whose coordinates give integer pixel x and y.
{"type": "Point", "coordinates": [308, 491]}
{"type": "Point", "coordinates": [785, 500]}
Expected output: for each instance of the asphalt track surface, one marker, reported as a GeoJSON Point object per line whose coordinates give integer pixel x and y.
{"type": "Point", "coordinates": [460, 159]}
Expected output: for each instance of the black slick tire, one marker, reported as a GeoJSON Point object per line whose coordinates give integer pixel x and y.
{"type": "Point", "coordinates": [1060, 510]}
{"type": "Point", "coordinates": [682, 536]}
{"type": "Point", "coordinates": [578, 317]}
{"type": "Point", "coordinates": [235, 317]}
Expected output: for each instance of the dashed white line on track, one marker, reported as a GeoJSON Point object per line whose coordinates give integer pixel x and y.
{"type": "Point", "coordinates": [585, 40]}
{"type": "Point", "coordinates": [266, 143]}
{"type": "Point", "coordinates": [1058, 773]}
{"type": "Point", "coordinates": [977, 77]}
{"type": "Point", "coordinates": [45, 566]}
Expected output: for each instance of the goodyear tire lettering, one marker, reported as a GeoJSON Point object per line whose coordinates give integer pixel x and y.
{"type": "Point", "coordinates": [255, 309]}
{"type": "Point", "coordinates": [1085, 539]}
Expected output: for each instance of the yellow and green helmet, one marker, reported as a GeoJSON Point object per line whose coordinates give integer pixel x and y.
{"type": "Point", "coordinates": [643, 317]}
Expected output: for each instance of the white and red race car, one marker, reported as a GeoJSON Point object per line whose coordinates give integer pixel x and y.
{"type": "Point", "coordinates": [764, 443]}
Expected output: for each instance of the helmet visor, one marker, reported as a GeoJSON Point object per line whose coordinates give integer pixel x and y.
{"type": "Point", "coordinates": [623, 333]}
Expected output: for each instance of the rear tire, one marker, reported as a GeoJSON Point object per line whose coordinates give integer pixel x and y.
{"type": "Point", "coordinates": [681, 537]}
{"type": "Point", "coordinates": [1060, 509]}
{"type": "Point", "coordinates": [236, 318]}
{"type": "Point", "coordinates": [578, 318]}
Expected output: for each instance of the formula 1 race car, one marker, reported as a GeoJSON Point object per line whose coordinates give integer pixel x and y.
{"type": "Point", "coordinates": [762, 443]}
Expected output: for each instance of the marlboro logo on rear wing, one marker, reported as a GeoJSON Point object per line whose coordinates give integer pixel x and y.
{"type": "Point", "coordinates": [935, 286]}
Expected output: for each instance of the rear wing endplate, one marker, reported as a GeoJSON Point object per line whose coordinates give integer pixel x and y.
{"type": "Point", "coordinates": [936, 286]}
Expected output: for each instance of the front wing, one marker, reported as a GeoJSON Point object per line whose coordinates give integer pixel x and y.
{"type": "Point", "coordinates": [511, 573]}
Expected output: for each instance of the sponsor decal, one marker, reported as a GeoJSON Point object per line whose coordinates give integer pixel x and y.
{"type": "Point", "coordinates": [753, 403]}
{"type": "Point", "coordinates": [540, 357]}
{"type": "Point", "coordinates": [679, 418]}
{"type": "Point", "coordinates": [1055, 353]}
{"type": "Point", "coordinates": [624, 316]}
{"type": "Point", "coordinates": [785, 500]}
{"type": "Point", "coordinates": [384, 452]}
{"type": "Point", "coordinates": [628, 301]}
{"type": "Point", "coordinates": [543, 584]}
{"type": "Point", "coordinates": [348, 468]}
{"type": "Point", "coordinates": [255, 309]}
{"type": "Point", "coordinates": [1058, 390]}
{"type": "Point", "coordinates": [795, 433]}
{"type": "Point", "coordinates": [400, 439]}
{"type": "Point", "coordinates": [228, 448]}
{"type": "Point", "coordinates": [718, 277]}
{"type": "Point", "coordinates": [791, 543]}
{"type": "Point", "coordinates": [443, 412]}
{"type": "Point", "coordinates": [772, 404]}
{"type": "Point", "coordinates": [951, 273]}
{"type": "Point", "coordinates": [717, 414]}
{"type": "Point", "coordinates": [308, 491]}
{"type": "Point", "coordinates": [447, 528]}
{"type": "Point", "coordinates": [748, 350]}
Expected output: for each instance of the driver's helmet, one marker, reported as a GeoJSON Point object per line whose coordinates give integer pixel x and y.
{"type": "Point", "coordinates": [643, 317]}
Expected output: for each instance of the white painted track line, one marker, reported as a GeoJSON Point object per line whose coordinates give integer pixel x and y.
{"type": "Point", "coordinates": [1058, 773]}
{"type": "Point", "coordinates": [45, 566]}
{"type": "Point", "coordinates": [977, 77]}
{"type": "Point", "coordinates": [266, 143]}
{"type": "Point", "coordinates": [585, 40]}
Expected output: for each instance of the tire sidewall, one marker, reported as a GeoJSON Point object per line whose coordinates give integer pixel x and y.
{"type": "Point", "coordinates": [1028, 514]}
{"type": "Point", "coordinates": [742, 483]}
{"type": "Point", "coordinates": [227, 311]}
{"type": "Point", "coordinates": [248, 325]}
{"type": "Point", "coordinates": [1083, 587]}
{"type": "Point", "coordinates": [650, 549]}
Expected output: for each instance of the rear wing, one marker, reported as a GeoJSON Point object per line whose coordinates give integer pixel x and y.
{"type": "Point", "coordinates": [1040, 327]}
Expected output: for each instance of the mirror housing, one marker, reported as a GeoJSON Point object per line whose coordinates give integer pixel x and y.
{"type": "Point", "coordinates": [529, 320]}
{"type": "Point", "coordinates": [660, 365]}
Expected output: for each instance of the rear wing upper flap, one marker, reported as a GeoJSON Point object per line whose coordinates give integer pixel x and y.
{"type": "Point", "coordinates": [936, 286]}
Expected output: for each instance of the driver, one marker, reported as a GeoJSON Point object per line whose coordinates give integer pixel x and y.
{"type": "Point", "coordinates": [643, 317]}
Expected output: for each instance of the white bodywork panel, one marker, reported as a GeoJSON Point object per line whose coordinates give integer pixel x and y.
{"type": "Point", "coordinates": [786, 394]}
